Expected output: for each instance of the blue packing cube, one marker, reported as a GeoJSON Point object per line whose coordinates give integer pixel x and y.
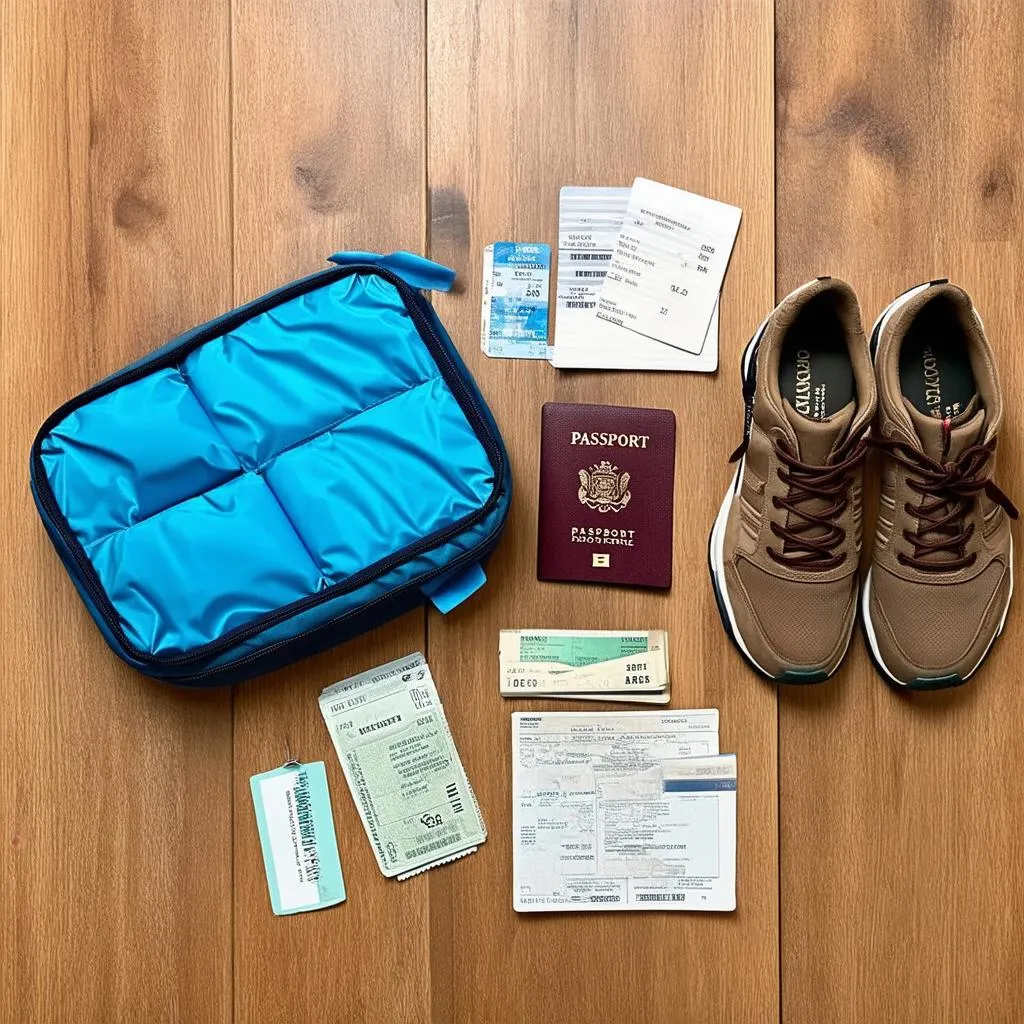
{"type": "Point", "coordinates": [278, 480]}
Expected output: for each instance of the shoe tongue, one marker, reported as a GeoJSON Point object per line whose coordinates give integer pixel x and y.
{"type": "Point", "coordinates": [965, 428]}
{"type": "Point", "coordinates": [817, 439]}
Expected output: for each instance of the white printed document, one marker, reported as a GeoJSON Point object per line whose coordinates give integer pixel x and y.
{"type": "Point", "coordinates": [589, 222]}
{"type": "Point", "coordinates": [668, 266]}
{"type": "Point", "coordinates": [622, 811]}
{"type": "Point", "coordinates": [609, 235]}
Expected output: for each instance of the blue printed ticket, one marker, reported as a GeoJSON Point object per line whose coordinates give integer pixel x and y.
{"type": "Point", "coordinates": [514, 310]}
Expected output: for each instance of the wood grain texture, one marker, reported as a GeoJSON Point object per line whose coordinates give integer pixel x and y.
{"type": "Point", "coordinates": [328, 142]}
{"type": "Point", "coordinates": [899, 161]}
{"type": "Point", "coordinates": [524, 98]}
{"type": "Point", "coordinates": [162, 163]}
{"type": "Point", "coordinates": [115, 795]}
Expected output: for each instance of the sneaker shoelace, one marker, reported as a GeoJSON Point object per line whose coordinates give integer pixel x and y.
{"type": "Point", "coordinates": [948, 492]}
{"type": "Point", "coordinates": [810, 535]}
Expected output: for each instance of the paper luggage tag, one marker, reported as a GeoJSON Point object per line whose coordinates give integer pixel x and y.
{"type": "Point", "coordinates": [300, 850]}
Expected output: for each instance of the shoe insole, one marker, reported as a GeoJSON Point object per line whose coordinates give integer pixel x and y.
{"type": "Point", "coordinates": [935, 367]}
{"type": "Point", "coordinates": [815, 374]}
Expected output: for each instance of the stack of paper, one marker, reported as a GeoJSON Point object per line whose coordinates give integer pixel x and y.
{"type": "Point", "coordinates": [400, 763]}
{"type": "Point", "coordinates": [622, 811]}
{"type": "Point", "coordinates": [639, 274]}
{"type": "Point", "coordinates": [577, 664]}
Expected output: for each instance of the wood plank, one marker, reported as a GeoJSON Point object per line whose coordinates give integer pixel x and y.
{"type": "Point", "coordinates": [328, 144]}
{"type": "Point", "coordinates": [115, 794]}
{"type": "Point", "coordinates": [899, 149]}
{"type": "Point", "coordinates": [522, 99]}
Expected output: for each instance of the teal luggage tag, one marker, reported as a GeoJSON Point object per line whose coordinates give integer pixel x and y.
{"type": "Point", "coordinates": [300, 849]}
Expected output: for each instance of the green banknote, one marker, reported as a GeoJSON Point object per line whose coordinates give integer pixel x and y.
{"type": "Point", "coordinates": [617, 665]}
{"type": "Point", "coordinates": [577, 649]}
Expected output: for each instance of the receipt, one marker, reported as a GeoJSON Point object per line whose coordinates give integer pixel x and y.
{"type": "Point", "coordinates": [622, 811]}
{"type": "Point", "coordinates": [668, 266]}
{"type": "Point", "coordinates": [589, 224]}
{"type": "Point", "coordinates": [400, 763]}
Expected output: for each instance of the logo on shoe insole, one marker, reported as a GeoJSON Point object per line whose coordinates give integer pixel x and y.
{"type": "Point", "coordinates": [932, 380]}
{"type": "Point", "coordinates": [803, 382]}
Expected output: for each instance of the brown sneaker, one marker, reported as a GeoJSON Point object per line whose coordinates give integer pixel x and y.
{"type": "Point", "coordinates": [939, 587]}
{"type": "Point", "coordinates": [784, 549]}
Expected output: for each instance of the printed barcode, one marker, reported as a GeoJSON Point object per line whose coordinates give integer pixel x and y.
{"type": "Point", "coordinates": [453, 797]}
{"type": "Point", "coordinates": [590, 256]}
{"type": "Point", "coordinates": [574, 304]}
{"type": "Point", "coordinates": [437, 844]}
{"type": "Point", "coordinates": [590, 273]}
{"type": "Point", "coordinates": [307, 832]}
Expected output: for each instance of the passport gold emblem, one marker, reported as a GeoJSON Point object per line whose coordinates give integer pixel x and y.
{"type": "Point", "coordinates": [604, 488]}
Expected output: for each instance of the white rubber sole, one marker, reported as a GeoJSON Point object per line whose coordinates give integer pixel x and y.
{"type": "Point", "coordinates": [716, 545]}
{"type": "Point", "coordinates": [717, 552]}
{"type": "Point", "coordinates": [865, 596]}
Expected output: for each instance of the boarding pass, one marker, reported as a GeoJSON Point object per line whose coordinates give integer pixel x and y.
{"type": "Point", "coordinates": [590, 221]}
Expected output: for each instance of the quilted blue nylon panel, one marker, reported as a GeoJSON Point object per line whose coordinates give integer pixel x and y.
{"type": "Point", "coordinates": [274, 461]}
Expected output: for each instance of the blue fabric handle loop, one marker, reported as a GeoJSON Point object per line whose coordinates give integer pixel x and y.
{"type": "Point", "coordinates": [414, 270]}
{"type": "Point", "coordinates": [452, 589]}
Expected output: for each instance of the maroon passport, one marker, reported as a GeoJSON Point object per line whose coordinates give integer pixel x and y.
{"type": "Point", "coordinates": [606, 487]}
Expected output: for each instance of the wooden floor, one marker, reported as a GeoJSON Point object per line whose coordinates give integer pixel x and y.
{"type": "Point", "coordinates": [165, 161]}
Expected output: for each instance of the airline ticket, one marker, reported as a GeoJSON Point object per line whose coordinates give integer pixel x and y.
{"type": "Point", "coordinates": [590, 221]}
{"type": "Point", "coordinates": [668, 266]}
